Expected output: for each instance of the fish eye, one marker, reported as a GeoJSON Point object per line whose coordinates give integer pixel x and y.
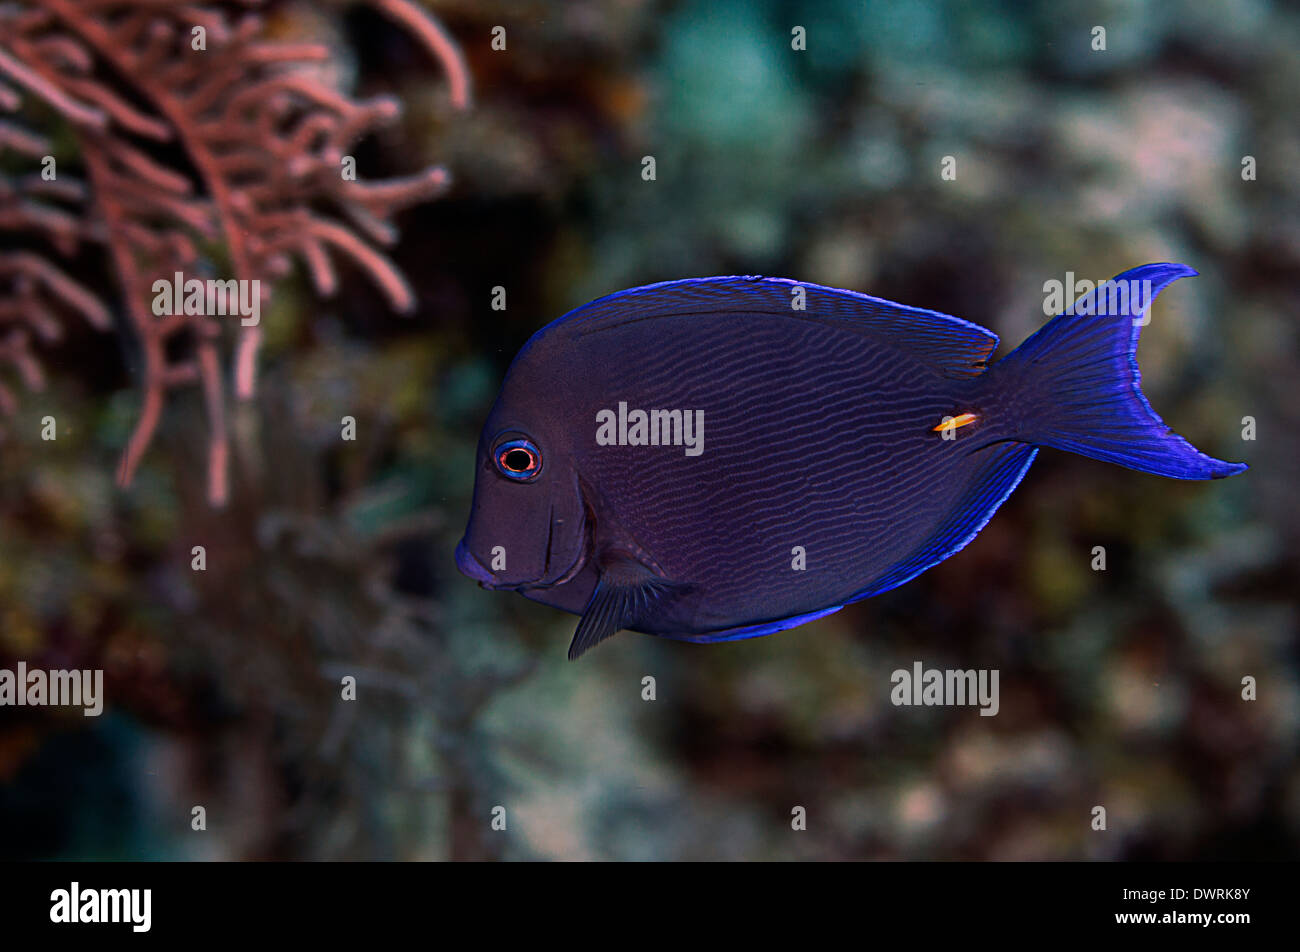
{"type": "Point", "coordinates": [518, 459]}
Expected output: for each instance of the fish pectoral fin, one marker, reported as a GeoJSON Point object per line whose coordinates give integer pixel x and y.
{"type": "Point", "coordinates": [626, 590]}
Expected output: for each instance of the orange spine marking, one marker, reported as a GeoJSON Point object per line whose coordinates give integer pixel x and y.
{"type": "Point", "coordinates": [955, 422]}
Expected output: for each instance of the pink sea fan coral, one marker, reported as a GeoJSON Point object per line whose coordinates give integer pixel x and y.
{"type": "Point", "coordinates": [209, 147]}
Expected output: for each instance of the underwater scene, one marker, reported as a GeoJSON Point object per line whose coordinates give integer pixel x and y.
{"type": "Point", "coordinates": [887, 412]}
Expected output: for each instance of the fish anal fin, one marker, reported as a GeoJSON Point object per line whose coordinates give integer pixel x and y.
{"type": "Point", "coordinates": [1004, 466]}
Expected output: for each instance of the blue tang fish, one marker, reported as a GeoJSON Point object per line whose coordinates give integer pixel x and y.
{"type": "Point", "coordinates": [721, 458]}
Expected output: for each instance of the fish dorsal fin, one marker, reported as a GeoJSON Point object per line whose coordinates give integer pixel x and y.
{"type": "Point", "coordinates": [957, 347]}
{"type": "Point", "coordinates": [626, 591]}
{"type": "Point", "coordinates": [1005, 466]}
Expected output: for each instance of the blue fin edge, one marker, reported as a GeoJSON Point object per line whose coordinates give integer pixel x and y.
{"type": "Point", "coordinates": [913, 566]}
{"type": "Point", "coordinates": [755, 631]}
{"type": "Point", "coordinates": [959, 346]}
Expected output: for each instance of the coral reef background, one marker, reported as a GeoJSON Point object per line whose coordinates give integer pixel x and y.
{"type": "Point", "coordinates": [330, 558]}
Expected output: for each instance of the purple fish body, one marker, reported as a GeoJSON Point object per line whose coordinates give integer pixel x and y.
{"type": "Point", "coordinates": [723, 458]}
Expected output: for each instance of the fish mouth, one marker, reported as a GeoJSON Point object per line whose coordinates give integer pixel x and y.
{"type": "Point", "coordinates": [472, 567]}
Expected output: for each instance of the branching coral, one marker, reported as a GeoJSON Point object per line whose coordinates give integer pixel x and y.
{"type": "Point", "coordinates": [32, 290]}
{"type": "Point", "coordinates": [208, 147]}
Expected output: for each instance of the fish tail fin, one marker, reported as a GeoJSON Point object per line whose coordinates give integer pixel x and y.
{"type": "Point", "coordinates": [1074, 385]}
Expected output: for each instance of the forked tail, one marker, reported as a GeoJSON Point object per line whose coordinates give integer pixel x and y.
{"type": "Point", "coordinates": [1075, 383]}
